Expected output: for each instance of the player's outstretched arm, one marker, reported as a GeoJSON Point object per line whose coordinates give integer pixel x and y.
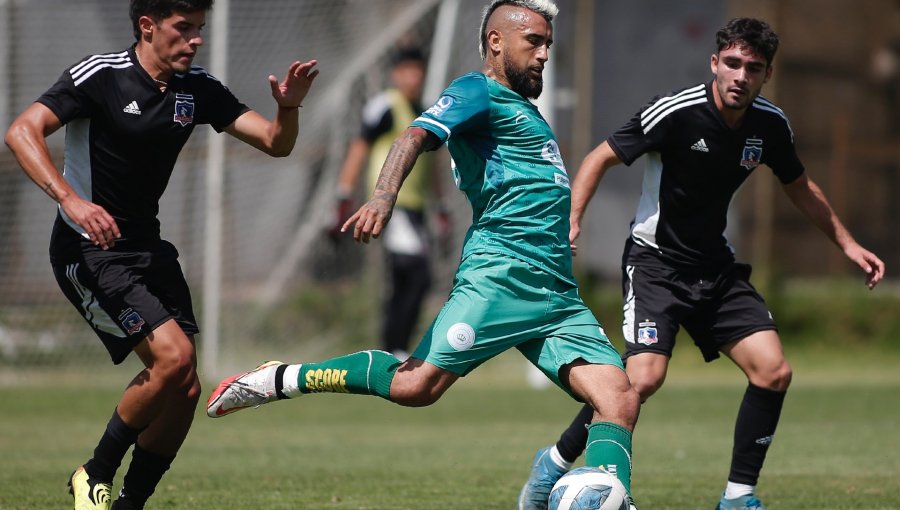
{"type": "Point", "coordinates": [26, 138]}
{"type": "Point", "coordinates": [585, 185]}
{"type": "Point", "coordinates": [291, 91]}
{"type": "Point", "coordinates": [808, 197]}
{"type": "Point", "coordinates": [374, 215]}
{"type": "Point", "coordinates": [277, 137]}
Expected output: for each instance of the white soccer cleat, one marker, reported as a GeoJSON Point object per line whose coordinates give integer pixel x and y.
{"type": "Point", "coordinates": [245, 390]}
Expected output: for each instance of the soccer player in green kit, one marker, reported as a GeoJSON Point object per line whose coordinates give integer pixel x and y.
{"type": "Point", "coordinates": [514, 286]}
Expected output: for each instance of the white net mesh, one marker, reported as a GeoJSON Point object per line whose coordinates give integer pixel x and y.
{"type": "Point", "coordinates": [284, 288]}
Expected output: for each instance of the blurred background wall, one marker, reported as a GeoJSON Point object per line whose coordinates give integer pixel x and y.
{"type": "Point", "coordinates": [285, 285]}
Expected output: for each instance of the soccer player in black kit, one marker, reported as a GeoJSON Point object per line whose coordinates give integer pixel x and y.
{"type": "Point", "coordinates": [678, 269]}
{"type": "Point", "coordinates": [127, 115]}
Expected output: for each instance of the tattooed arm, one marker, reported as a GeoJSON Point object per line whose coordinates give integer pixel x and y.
{"type": "Point", "coordinates": [372, 217]}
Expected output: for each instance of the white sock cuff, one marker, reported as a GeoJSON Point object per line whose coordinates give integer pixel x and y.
{"type": "Point", "coordinates": [558, 459]}
{"type": "Point", "coordinates": [736, 490]}
{"type": "Point", "coordinates": [290, 385]}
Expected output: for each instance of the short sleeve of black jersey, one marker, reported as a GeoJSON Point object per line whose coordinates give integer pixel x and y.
{"type": "Point", "coordinates": [638, 137]}
{"type": "Point", "coordinates": [377, 119]}
{"type": "Point", "coordinates": [226, 108]}
{"type": "Point", "coordinates": [67, 101]}
{"type": "Point", "coordinates": [223, 107]}
{"type": "Point", "coordinates": [784, 162]}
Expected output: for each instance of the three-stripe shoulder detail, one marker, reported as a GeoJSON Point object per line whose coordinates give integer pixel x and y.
{"type": "Point", "coordinates": [761, 103]}
{"type": "Point", "coordinates": [91, 65]}
{"type": "Point", "coordinates": [666, 105]}
{"type": "Point", "coordinates": [199, 71]}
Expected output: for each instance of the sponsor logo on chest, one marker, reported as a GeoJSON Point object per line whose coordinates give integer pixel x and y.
{"type": "Point", "coordinates": [132, 108]}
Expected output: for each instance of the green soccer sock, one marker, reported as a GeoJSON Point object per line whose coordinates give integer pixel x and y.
{"type": "Point", "coordinates": [609, 447]}
{"type": "Point", "coordinates": [360, 373]}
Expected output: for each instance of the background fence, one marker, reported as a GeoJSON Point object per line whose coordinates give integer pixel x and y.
{"type": "Point", "coordinates": [286, 289]}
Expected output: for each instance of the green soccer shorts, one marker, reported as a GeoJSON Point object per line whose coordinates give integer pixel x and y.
{"type": "Point", "coordinates": [499, 302]}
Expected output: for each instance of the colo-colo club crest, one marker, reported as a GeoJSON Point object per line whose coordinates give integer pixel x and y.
{"type": "Point", "coordinates": [184, 109]}
{"type": "Point", "coordinates": [752, 154]}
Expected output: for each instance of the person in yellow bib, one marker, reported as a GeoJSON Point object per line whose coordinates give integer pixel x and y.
{"type": "Point", "coordinates": [384, 118]}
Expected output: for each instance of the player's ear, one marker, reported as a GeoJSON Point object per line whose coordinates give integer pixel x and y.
{"type": "Point", "coordinates": [714, 62]}
{"type": "Point", "coordinates": [768, 73]}
{"type": "Point", "coordinates": [495, 41]}
{"type": "Point", "coordinates": [146, 25]}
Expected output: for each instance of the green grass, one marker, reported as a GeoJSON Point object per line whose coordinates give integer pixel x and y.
{"type": "Point", "coordinates": [837, 447]}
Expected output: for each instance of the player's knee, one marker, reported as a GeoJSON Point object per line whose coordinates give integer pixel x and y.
{"type": "Point", "coordinates": [776, 377]}
{"type": "Point", "coordinates": [645, 385]}
{"type": "Point", "coordinates": [621, 407]}
{"type": "Point", "coordinates": [177, 372]}
{"type": "Point", "coordinates": [780, 378]}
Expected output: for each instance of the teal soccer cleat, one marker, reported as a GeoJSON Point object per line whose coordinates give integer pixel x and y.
{"type": "Point", "coordinates": [544, 474]}
{"type": "Point", "coordinates": [748, 502]}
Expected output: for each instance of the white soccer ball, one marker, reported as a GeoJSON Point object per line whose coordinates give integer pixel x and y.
{"type": "Point", "coordinates": [588, 488]}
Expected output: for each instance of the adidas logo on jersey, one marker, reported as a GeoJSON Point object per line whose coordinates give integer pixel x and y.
{"type": "Point", "coordinates": [700, 146]}
{"type": "Point", "coordinates": [132, 108]}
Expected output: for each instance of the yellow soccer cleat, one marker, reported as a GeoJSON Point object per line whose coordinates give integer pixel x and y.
{"type": "Point", "coordinates": [89, 493]}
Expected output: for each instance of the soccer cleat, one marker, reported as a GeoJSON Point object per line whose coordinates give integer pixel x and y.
{"type": "Point", "coordinates": [544, 474]}
{"type": "Point", "coordinates": [248, 389]}
{"type": "Point", "coordinates": [748, 502]}
{"type": "Point", "coordinates": [89, 493]}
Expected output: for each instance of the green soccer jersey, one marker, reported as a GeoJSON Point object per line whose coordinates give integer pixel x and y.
{"type": "Point", "coordinates": [507, 162]}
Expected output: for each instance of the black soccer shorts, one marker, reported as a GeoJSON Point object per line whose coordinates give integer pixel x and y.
{"type": "Point", "coordinates": [123, 293]}
{"type": "Point", "coordinates": [714, 308]}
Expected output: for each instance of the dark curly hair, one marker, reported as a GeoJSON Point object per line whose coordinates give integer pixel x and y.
{"type": "Point", "coordinates": [162, 9]}
{"type": "Point", "coordinates": [750, 32]}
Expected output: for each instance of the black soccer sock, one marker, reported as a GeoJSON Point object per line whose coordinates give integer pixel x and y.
{"type": "Point", "coordinates": [573, 440]}
{"type": "Point", "coordinates": [144, 474]}
{"type": "Point", "coordinates": [126, 504]}
{"type": "Point", "coordinates": [108, 454]}
{"type": "Point", "coordinates": [753, 432]}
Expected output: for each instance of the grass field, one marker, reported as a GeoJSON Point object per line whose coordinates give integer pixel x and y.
{"type": "Point", "coordinates": [838, 446]}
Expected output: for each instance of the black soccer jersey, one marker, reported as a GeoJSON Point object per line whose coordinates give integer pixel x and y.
{"type": "Point", "coordinates": [695, 165]}
{"type": "Point", "coordinates": [123, 135]}
{"type": "Point", "coordinates": [378, 117]}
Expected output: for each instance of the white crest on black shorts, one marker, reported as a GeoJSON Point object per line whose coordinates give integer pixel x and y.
{"type": "Point", "coordinates": [647, 333]}
{"type": "Point", "coordinates": [131, 321]}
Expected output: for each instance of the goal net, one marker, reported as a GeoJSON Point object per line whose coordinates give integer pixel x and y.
{"type": "Point", "coordinates": [286, 288]}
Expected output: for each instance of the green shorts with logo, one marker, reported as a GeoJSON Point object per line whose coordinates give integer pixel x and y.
{"type": "Point", "coordinates": [499, 302]}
